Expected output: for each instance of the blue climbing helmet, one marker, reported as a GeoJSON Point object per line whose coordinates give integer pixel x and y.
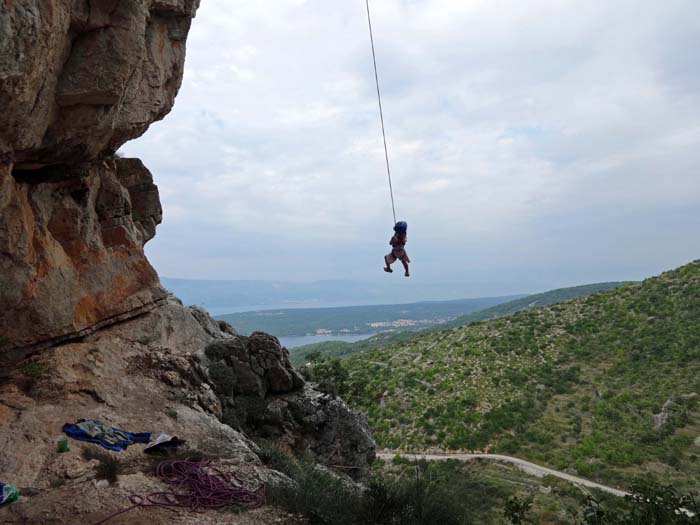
{"type": "Point", "coordinates": [400, 227]}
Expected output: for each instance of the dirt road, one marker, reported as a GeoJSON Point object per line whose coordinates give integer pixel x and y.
{"type": "Point", "coordinates": [527, 467]}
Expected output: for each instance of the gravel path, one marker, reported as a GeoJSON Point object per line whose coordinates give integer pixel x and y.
{"type": "Point", "coordinates": [527, 467]}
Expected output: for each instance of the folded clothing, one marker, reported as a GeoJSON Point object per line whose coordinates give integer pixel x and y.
{"type": "Point", "coordinates": [94, 431]}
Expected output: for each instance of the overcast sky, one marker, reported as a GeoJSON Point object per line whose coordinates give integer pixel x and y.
{"type": "Point", "coordinates": [533, 144]}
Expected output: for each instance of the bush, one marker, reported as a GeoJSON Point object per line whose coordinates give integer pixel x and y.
{"type": "Point", "coordinates": [327, 498]}
{"type": "Point", "coordinates": [517, 510]}
{"type": "Point", "coordinates": [318, 494]}
{"type": "Point", "coordinates": [223, 377]}
{"type": "Point", "coordinates": [109, 467]}
{"type": "Point", "coordinates": [34, 371]}
{"type": "Point", "coordinates": [650, 504]}
{"type": "Point", "coordinates": [418, 500]}
{"type": "Point", "coordinates": [331, 375]}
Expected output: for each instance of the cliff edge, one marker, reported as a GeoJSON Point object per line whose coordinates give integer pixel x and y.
{"type": "Point", "coordinates": [86, 329]}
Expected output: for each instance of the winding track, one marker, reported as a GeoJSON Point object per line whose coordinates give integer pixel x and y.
{"type": "Point", "coordinates": [527, 467]}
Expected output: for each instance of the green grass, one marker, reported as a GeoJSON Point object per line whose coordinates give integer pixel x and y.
{"type": "Point", "coordinates": [573, 385]}
{"type": "Point", "coordinates": [34, 371]}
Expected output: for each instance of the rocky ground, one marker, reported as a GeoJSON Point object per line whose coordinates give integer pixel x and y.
{"type": "Point", "coordinates": [152, 374]}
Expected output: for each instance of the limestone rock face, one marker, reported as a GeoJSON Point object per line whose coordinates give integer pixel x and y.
{"type": "Point", "coordinates": [258, 365]}
{"type": "Point", "coordinates": [78, 78]}
{"type": "Point", "coordinates": [264, 396]}
{"type": "Point", "coordinates": [71, 248]}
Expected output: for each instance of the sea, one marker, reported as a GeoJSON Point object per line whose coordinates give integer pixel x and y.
{"type": "Point", "coordinates": [294, 341]}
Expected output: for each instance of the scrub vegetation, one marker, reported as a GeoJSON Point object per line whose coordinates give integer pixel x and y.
{"type": "Point", "coordinates": [605, 386]}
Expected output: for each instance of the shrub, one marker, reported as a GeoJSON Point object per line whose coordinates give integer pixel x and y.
{"type": "Point", "coordinates": [517, 510]}
{"type": "Point", "coordinates": [318, 494]}
{"type": "Point", "coordinates": [109, 467]}
{"type": "Point", "coordinates": [331, 376]}
{"type": "Point", "coordinates": [223, 377]}
{"type": "Point", "coordinates": [650, 504]}
{"type": "Point", "coordinates": [326, 498]}
{"type": "Point", "coordinates": [34, 371]}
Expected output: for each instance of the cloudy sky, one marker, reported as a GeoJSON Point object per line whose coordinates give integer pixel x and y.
{"type": "Point", "coordinates": [533, 144]}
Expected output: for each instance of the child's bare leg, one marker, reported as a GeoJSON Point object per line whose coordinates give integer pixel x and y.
{"type": "Point", "coordinates": [405, 266]}
{"type": "Point", "coordinates": [387, 264]}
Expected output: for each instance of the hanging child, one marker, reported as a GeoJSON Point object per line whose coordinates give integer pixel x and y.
{"type": "Point", "coordinates": [398, 252]}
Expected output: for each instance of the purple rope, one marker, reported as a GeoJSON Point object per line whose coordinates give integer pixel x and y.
{"type": "Point", "coordinates": [195, 486]}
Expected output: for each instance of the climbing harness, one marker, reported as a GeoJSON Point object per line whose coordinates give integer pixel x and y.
{"type": "Point", "coordinates": [381, 113]}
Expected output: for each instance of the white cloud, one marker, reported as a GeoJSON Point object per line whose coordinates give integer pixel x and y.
{"type": "Point", "coordinates": [502, 118]}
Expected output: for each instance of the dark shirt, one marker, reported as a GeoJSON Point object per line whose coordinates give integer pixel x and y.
{"type": "Point", "coordinates": [398, 241]}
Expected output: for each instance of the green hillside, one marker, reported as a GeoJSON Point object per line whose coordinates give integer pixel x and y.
{"type": "Point", "coordinates": [533, 301]}
{"type": "Point", "coordinates": [298, 355]}
{"type": "Point", "coordinates": [341, 348]}
{"type": "Point", "coordinates": [605, 386]}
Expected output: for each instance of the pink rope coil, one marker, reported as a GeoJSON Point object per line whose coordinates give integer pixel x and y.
{"type": "Point", "coordinates": [195, 486]}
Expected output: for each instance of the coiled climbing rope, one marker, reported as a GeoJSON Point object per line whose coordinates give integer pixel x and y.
{"type": "Point", "coordinates": [195, 485]}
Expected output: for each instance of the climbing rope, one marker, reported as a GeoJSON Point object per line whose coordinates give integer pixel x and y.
{"type": "Point", "coordinates": [381, 112]}
{"type": "Point", "coordinates": [195, 486]}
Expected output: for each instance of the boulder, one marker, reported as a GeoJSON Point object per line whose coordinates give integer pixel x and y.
{"type": "Point", "coordinates": [259, 365]}
{"type": "Point", "coordinates": [264, 396]}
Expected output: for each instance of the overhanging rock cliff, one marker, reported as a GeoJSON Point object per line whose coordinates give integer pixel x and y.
{"type": "Point", "coordinates": [71, 249]}
{"type": "Point", "coordinates": [86, 330]}
{"type": "Point", "coordinates": [78, 78]}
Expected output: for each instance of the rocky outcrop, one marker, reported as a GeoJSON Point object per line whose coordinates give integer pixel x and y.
{"type": "Point", "coordinates": [78, 78]}
{"type": "Point", "coordinates": [151, 374]}
{"type": "Point", "coordinates": [71, 249]}
{"type": "Point", "coordinates": [264, 396]}
{"type": "Point", "coordinates": [142, 375]}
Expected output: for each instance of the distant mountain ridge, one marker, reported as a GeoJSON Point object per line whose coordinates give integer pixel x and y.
{"type": "Point", "coordinates": [238, 296]}
{"type": "Point", "coordinates": [340, 348]}
{"type": "Point", "coordinates": [363, 319]}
